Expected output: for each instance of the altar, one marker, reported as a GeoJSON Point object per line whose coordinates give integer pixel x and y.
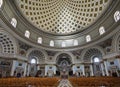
{"type": "Point", "coordinates": [64, 72]}
{"type": "Point", "coordinates": [64, 66]}
{"type": "Point", "coordinates": [64, 75]}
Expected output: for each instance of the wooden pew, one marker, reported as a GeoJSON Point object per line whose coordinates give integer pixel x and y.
{"type": "Point", "coordinates": [30, 81]}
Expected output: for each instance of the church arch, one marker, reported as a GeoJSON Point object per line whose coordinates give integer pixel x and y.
{"type": "Point", "coordinates": [68, 53]}
{"type": "Point", "coordinates": [40, 55]}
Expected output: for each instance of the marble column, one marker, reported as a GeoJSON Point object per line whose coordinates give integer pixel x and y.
{"type": "Point", "coordinates": [106, 68]}
{"type": "Point", "coordinates": [118, 59]}
{"type": "Point", "coordinates": [13, 68]}
{"type": "Point", "coordinates": [46, 69]}
{"type": "Point", "coordinates": [25, 69]}
{"type": "Point", "coordinates": [91, 69]}
{"type": "Point", "coordinates": [28, 69]}
{"type": "Point", "coordinates": [102, 69]}
{"type": "Point", "coordinates": [38, 67]}
{"type": "Point", "coordinates": [83, 70]}
{"type": "Point", "coordinates": [54, 69]}
{"type": "Point", "coordinates": [73, 68]}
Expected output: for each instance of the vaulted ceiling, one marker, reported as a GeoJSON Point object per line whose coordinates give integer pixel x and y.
{"type": "Point", "coordinates": [62, 16]}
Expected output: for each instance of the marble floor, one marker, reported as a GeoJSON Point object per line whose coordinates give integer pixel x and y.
{"type": "Point", "coordinates": [65, 83]}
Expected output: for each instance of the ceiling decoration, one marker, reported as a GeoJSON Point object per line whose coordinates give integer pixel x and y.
{"type": "Point", "coordinates": [62, 16]}
{"type": "Point", "coordinates": [37, 54]}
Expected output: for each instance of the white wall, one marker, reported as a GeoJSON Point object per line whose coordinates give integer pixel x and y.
{"type": "Point", "coordinates": [16, 65]}
{"type": "Point", "coordinates": [76, 69]}
{"type": "Point", "coordinates": [50, 67]}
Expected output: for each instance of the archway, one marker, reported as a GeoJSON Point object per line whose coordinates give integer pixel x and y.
{"type": "Point", "coordinates": [93, 56]}
{"type": "Point", "coordinates": [64, 65]}
{"type": "Point", "coordinates": [36, 58]}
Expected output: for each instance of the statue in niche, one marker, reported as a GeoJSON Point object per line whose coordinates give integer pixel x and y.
{"type": "Point", "coordinates": [64, 63]}
{"type": "Point", "coordinates": [64, 66]}
{"type": "Point", "coordinates": [64, 69]}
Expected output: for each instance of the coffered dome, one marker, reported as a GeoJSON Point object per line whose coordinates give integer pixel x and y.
{"type": "Point", "coordinates": [62, 16]}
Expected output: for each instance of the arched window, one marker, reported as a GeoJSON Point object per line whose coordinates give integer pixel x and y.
{"type": "Point", "coordinates": [75, 42]}
{"type": "Point", "coordinates": [101, 30]}
{"type": "Point", "coordinates": [40, 40]}
{"type": "Point", "coordinates": [33, 61]}
{"type": "Point", "coordinates": [52, 43]}
{"type": "Point", "coordinates": [27, 34]}
{"type": "Point", "coordinates": [14, 22]}
{"type": "Point", "coordinates": [63, 44]}
{"type": "Point", "coordinates": [96, 60]}
{"type": "Point", "coordinates": [1, 3]}
{"type": "Point", "coordinates": [88, 38]}
{"type": "Point", "coordinates": [117, 16]}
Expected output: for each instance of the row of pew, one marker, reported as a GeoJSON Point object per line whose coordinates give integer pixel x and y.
{"type": "Point", "coordinates": [29, 82]}
{"type": "Point", "coordinates": [54, 81]}
{"type": "Point", "coordinates": [95, 81]}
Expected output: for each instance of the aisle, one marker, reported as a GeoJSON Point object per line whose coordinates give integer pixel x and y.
{"type": "Point", "coordinates": [65, 83]}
